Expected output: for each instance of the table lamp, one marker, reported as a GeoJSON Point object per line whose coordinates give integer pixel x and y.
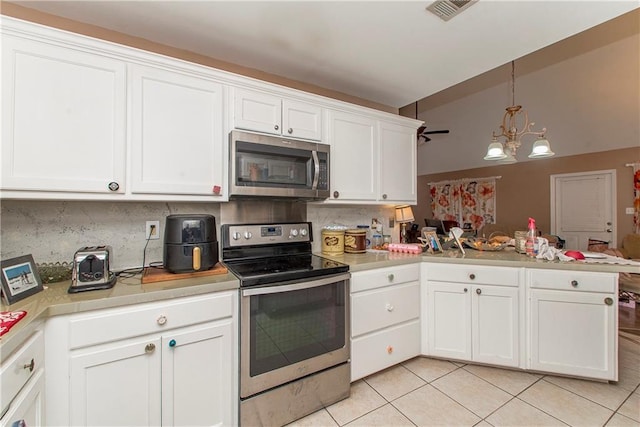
{"type": "Point", "coordinates": [404, 214]}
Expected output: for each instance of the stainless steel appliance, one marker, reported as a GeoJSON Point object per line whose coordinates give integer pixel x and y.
{"type": "Point", "coordinates": [294, 322]}
{"type": "Point", "coordinates": [91, 269]}
{"type": "Point", "coordinates": [190, 243]}
{"type": "Point", "coordinates": [264, 165]}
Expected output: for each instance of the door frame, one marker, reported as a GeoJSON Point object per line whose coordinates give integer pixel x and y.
{"type": "Point", "coordinates": [614, 199]}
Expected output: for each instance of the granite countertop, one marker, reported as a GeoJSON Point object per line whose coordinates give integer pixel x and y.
{"type": "Point", "coordinates": [55, 300]}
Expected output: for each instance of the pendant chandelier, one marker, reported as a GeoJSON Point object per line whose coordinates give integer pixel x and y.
{"type": "Point", "coordinates": [505, 151]}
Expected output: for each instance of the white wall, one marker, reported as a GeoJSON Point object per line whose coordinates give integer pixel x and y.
{"type": "Point", "coordinates": [588, 101]}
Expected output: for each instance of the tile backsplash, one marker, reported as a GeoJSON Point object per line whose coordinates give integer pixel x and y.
{"type": "Point", "coordinates": [52, 231]}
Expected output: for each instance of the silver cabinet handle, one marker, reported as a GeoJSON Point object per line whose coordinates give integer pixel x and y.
{"type": "Point", "coordinates": [390, 277]}
{"type": "Point", "coordinates": [290, 130]}
{"type": "Point", "coordinates": [608, 301]}
{"type": "Point", "coordinates": [114, 186]}
{"type": "Point", "coordinates": [478, 291]}
{"type": "Point", "coordinates": [276, 127]}
{"type": "Point", "coordinates": [336, 194]}
{"type": "Point", "coordinates": [389, 307]}
{"type": "Point", "coordinates": [162, 320]}
{"type": "Point", "coordinates": [574, 283]}
{"type": "Point", "coordinates": [149, 348]}
{"type": "Point", "coordinates": [30, 365]}
{"type": "Point", "coordinates": [472, 276]}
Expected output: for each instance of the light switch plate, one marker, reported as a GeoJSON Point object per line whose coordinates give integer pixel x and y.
{"type": "Point", "coordinates": [628, 211]}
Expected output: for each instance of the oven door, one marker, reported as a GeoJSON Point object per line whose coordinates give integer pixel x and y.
{"type": "Point", "coordinates": [292, 330]}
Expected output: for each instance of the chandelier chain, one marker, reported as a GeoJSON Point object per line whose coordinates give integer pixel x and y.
{"type": "Point", "coordinates": [513, 83]}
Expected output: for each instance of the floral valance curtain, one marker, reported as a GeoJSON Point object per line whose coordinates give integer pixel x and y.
{"type": "Point", "coordinates": [636, 197]}
{"type": "Point", "coordinates": [470, 202]}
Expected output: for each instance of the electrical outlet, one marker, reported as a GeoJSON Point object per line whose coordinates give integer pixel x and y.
{"type": "Point", "coordinates": [152, 230]}
{"type": "Point", "coordinates": [629, 211]}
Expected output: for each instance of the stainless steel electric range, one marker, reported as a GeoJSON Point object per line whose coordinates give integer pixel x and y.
{"type": "Point", "coordinates": [294, 322]}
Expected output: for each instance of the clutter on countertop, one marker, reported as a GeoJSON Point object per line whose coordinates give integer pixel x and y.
{"type": "Point", "coordinates": [8, 319]}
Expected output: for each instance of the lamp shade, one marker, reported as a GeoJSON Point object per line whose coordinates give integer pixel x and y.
{"type": "Point", "coordinates": [404, 214]}
{"type": "Point", "coordinates": [495, 151]}
{"type": "Point", "coordinates": [508, 157]}
{"type": "Point", "coordinates": [541, 148]}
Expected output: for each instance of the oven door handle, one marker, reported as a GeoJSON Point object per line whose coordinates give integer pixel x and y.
{"type": "Point", "coordinates": [295, 286]}
{"type": "Point", "coordinates": [316, 170]}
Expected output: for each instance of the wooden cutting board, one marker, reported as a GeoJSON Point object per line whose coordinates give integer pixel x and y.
{"type": "Point", "coordinates": [152, 275]}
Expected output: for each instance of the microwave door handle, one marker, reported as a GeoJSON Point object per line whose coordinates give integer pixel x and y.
{"type": "Point", "coordinates": [316, 170]}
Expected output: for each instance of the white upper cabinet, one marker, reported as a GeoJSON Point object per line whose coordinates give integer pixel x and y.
{"type": "Point", "coordinates": [264, 112]}
{"type": "Point", "coordinates": [63, 115]}
{"type": "Point", "coordinates": [398, 163]}
{"type": "Point", "coordinates": [354, 157]}
{"type": "Point", "coordinates": [177, 144]}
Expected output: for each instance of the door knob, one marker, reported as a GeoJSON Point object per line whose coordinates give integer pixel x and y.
{"type": "Point", "coordinates": [609, 230]}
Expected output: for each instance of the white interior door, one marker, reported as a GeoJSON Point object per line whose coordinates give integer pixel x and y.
{"type": "Point", "coordinates": [583, 207]}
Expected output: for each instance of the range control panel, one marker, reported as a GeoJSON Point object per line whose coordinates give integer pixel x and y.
{"type": "Point", "coordinates": [267, 234]}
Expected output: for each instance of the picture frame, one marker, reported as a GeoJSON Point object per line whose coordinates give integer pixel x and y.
{"type": "Point", "coordinates": [432, 241]}
{"type": "Point", "coordinates": [20, 278]}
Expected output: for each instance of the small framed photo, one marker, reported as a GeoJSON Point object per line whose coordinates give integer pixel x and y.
{"type": "Point", "coordinates": [432, 241]}
{"type": "Point", "coordinates": [20, 278]}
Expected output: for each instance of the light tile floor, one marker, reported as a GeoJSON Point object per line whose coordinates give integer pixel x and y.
{"type": "Point", "coordinates": [433, 392]}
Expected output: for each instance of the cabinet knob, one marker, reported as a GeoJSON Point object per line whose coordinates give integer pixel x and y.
{"type": "Point", "coordinates": [336, 194]}
{"type": "Point", "coordinates": [465, 289]}
{"type": "Point", "coordinates": [478, 291]}
{"type": "Point", "coordinates": [391, 277]}
{"type": "Point", "coordinates": [30, 365]}
{"type": "Point", "coordinates": [608, 301]}
{"type": "Point", "coordinates": [574, 283]}
{"type": "Point", "coordinates": [389, 307]}
{"type": "Point", "coordinates": [289, 131]}
{"type": "Point", "coordinates": [172, 343]}
{"type": "Point", "coordinates": [472, 276]}
{"type": "Point", "coordinates": [276, 127]}
{"type": "Point", "coordinates": [389, 349]}
{"type": "Point", "coordinates": [114, 186]}
{"type": "Point", "coordinates": [384, 196]}
{"type": "Point", "coordinates": [162, 320]}
{"type": "Point", "coordinates": [149, 348]}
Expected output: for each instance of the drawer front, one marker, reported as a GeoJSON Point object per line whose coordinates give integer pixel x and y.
{"type": "Point", "coordinates": [126, 322]}
{"type": "Point", "coordinates": [365, 280]}
{"type": "Point", "coordinates": [383, 307]}
{"type": "Point", "coordinates": [504, 276]}
{"type": "Point", "coordinates": [377, 351]}
{"type": "Point", "coordinates": [18, 368]}
{"type": "Point", "coordinates": [573, 280]}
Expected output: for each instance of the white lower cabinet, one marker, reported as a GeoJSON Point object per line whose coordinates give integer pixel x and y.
{"type": "Point", "coordinates": [385, 318]}
{"type": "Point", "coordinates": [573, 323]}
{"type": "Point", "coordinates": [472, 313]}
{"type": "Point", "coordinates": [175, 367]}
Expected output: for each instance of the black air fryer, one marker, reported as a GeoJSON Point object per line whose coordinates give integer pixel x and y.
{"type": "Point", "coordinates": [190, 243]}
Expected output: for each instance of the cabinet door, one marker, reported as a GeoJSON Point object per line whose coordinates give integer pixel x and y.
{"type": "Point", "coordinates": [449, 320]}
{"type": "Point", "coordinates": [257, 111]}
{"type": "Point", "coordinates": [63, 119]}
{"type": "Point", "coordinates": [354, 157]}
{"type": "Point", "coordinates": [495, 323]}
{"type": "Point", "coordinates": [177, 133]}
{"type": "Point", "coordinates": [197, 376]}
{"type": "Point", "coordinates": [398, 164]}
{"type": "Point", "coordinates": [301, 120]}
{"type": "Point", "coordinates": [27, 409]}
{"type": "Point", "coordinates": [573, 333]}
{"type": "Point", "coordinates": [117, 384]}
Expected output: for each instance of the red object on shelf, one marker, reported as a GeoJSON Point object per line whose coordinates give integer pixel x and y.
{"type": "Point", "coordinates": [8, 319]}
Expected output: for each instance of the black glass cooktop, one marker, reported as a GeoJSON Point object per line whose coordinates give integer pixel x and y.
{"type": "Point", "coordinates": [276, 269]}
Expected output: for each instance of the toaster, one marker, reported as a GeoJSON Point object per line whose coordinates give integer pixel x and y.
{"type": "Point", "coordinates": [91, 269]}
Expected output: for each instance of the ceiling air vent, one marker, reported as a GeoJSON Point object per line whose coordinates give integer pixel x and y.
{"type": "Point", "coordinates": [447, 9]}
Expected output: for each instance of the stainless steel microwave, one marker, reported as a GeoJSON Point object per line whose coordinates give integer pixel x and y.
{"type": "Point", "coordinates": [272, 166]}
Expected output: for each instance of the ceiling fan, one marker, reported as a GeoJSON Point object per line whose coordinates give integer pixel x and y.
{"type": "Point", "coordinates": [423, 133]}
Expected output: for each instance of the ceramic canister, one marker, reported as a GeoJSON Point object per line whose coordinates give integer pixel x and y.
{"type": "Point", "coordinates": [355, 241]}
{"type": "Point", "coordinates": [333, 242]}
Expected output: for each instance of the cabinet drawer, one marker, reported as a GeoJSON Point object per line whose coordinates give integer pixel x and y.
{"type": "Point", "coordinates": [116, 324]}
{"type": "Point", "coordinates": [374, 352]}
{"type": "Point", "coordinates": [18, 368]}
{"type": "Point", "coordinates": [362, 281]}
{"type": "Point", "coordinates": [568, 280]}
{"type": "Point", "coordinates": [458, 273]}
{"type": "Point", "coordinates": [383, 307]}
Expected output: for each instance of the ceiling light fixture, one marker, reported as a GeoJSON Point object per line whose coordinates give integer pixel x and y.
{"type": "Point", "coordinates": [505, 152]}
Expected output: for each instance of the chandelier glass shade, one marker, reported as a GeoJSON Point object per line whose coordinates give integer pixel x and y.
{"type": "Point", "coordinates": [515, 117]}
